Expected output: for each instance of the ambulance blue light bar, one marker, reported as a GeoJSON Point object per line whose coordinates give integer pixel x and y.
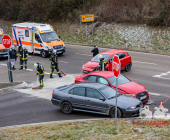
{"type": "Point", "coordinates": [34, 28]}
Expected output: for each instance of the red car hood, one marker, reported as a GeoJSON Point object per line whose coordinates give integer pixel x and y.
{"type": "Point", "coordinates": [91, 65]}
{"type": "Point", "coordinates": [132, 88]}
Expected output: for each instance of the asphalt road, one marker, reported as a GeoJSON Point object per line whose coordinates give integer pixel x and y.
{"type": "Point", "coordinates": [150, 70]}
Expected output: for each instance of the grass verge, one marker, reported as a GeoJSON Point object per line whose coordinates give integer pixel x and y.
{"type": "Point", "coordinates": [118, 36]}
{"type": "Point", "coordinates": [92, 130]}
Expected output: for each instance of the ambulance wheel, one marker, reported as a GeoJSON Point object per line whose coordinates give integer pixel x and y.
{"type": "Point", "coordinates": [43, 54]}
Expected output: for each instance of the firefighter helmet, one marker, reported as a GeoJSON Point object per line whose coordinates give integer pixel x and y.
{"type": "Point", "coordinates": [54, 51]}
{"type": "Point", "coordinates": [35, 65]}
{"type": "Point", "coordinates": [100, 56]}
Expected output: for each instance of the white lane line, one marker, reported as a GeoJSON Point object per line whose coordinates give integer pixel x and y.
{"type": "Point", "coordinates": [3, 64]}
{"type": "Point", "coordinates": [63, 61]}
{"type": "Point", "coordinates": [28, 56]}
{"type": "Point", "coordinates": [83, 54]}
{"type": "Point", "coordinates": [145, 62]}
{"type": "Point", "coordinates": [156, 94]}
{"type": "Point", "coordinates": [28, 69]}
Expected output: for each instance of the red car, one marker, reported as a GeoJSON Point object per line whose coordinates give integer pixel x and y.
{"type": "Point", "coordinates": [125, 60]}
{"type": "Point", "coordinates": [125, 85]}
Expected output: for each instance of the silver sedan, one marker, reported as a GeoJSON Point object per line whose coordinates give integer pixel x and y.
{"type": "Point", "coordinates": [95, 98]}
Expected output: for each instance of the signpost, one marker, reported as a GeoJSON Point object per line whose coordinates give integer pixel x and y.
{"type": "Point", "coordinates": [6, 41]}
{"type": "Point", "coordinates": [84, 19]}
{"type": "Point", "coordinates": [116, 66]}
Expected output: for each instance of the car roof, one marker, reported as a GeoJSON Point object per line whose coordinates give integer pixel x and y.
{"type": "Point", "coordinates": [113, 52]}
{"type": "Point", "coordinates": [103, 73]}
{"type": "Point", "coordinates": [90, 85]}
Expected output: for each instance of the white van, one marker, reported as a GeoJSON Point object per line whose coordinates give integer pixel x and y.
{"type": "Point", "coordinates": [37, 38]}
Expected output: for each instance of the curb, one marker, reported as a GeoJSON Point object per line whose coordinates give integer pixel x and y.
{"type": "Point", "coordinates": [62, 121]}
{"type": "Point", "coordinates": [23, 84]}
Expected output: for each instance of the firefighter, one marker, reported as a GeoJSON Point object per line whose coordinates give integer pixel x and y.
{"type": "Point", "coordinates": [23, 57]}
{"type": "Point", "coordinates": [54, 64]}
{"type": "Point", "coordinates": [12, 57]}
{"type": "Point", "coordinates": [40, 72]}
{"type": "Point", "coordinates": [102, 63]}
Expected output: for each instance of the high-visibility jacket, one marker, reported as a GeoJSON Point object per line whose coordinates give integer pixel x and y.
{"type": "Point", "coordinates": [12, 54]}
{"type": "Point", "coordinates": [102, 65]}
{"type": "Point", "coordinates": [54, 59]}
{"type": "Point", "coordinates": [23, 54]}
{"type": "Point", "coordinates": [40, 69]}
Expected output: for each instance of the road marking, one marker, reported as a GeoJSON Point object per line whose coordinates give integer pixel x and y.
{"type": "Point", "coordinates": [28, 56]}
{"type": "Point", "coordinates": [63, 61]}
{"type": "Point", "coordinates": [83, 54]}
{"type": "Point", "coordinates": [28, 69]}
{"type": "Point", "coordinates": [145, 62]}
{"type": "Point", "coordinates": [3, 64]}
{"type": "Point", "coordinates": [156, 94]}
{"type": "Point", "coordinates": [162, 74]}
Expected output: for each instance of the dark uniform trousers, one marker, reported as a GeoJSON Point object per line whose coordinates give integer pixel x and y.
{"type": "Point", "coordinates": [40, 72]}
{"type": "Point", "coordinates": [54, 65]}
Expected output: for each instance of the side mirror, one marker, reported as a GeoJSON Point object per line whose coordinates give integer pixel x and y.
{"type": "Point", "coordinates": [101, 98]}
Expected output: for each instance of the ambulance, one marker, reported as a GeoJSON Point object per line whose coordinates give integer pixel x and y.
{"type": "Point", "coordinates": [37, 38]}
{"type": "Point", "coordinates": [3, 50]}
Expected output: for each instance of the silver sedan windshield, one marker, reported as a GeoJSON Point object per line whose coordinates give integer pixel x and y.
{"type": "Point", "coordinates": [108, 92]}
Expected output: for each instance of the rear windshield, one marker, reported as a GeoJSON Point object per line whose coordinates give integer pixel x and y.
{"type": "Point", "coordinates": [1, 39]}
{"type": "Point", "coordinates": [64, 87]}
{"type": "Point", "coordinates": [96, 58]}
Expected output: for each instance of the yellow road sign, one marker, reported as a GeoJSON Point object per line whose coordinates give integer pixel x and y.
{"type": "Point", "coordinates": [87, 18]}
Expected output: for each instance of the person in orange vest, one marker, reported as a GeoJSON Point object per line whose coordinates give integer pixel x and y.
{"type": "Point", "coordinates": [23, 57]}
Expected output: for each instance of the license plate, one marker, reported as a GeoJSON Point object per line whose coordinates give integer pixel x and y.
{"type": "Point", "coordinates": [59, 52]}
{"type": "Point", "coordinates": [5, 55]}
{"type": "Point", "coordinates": [141, 98]}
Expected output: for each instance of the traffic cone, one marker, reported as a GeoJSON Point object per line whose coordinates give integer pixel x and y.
{"type": "Point", "coordinates": [161, 104]}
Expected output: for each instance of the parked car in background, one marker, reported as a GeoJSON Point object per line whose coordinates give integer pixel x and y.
{"type": "Point", "coordinates": [95, 98]}
{"type": "Point", "coordinates": [125, 85]}
{"type": "Point", "coordinates": [125, 60]}
{"type": "Point", "coordinates": [3, 50]}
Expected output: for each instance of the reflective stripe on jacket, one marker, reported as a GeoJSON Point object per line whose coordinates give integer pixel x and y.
{"type": "Point", "coordinates": [23, 54]}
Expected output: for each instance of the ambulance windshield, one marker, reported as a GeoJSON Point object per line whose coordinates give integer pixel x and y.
{"type": "Point", "coordinates": [50, 36]}
{"type": "Point", "coordinates": [1, 39]}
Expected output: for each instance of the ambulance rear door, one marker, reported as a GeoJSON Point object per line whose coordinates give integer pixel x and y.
{"type": "Point", "coordinates": [23, 37]}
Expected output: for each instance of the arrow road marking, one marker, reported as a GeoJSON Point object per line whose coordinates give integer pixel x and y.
{"type": "Point", "coordinates": [162, 74]}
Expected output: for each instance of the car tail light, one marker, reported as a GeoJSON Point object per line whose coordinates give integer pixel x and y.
{"type": "Point", "coordinates": [53, 93]}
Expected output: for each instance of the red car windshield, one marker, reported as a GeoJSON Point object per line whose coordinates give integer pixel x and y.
{"type": "Point", "coordinates": [121, 80]}
{"type": "Point", "coordinates": [96, 58]}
